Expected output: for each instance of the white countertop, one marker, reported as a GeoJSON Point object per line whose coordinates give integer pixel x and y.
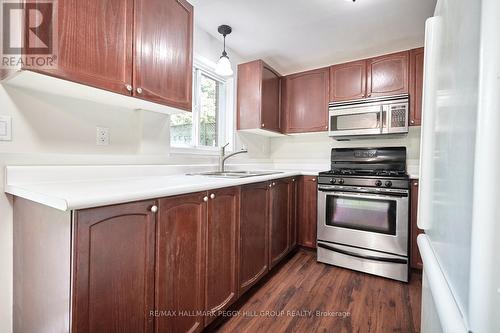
{"type": "Point", "coordinates": [75, 187]}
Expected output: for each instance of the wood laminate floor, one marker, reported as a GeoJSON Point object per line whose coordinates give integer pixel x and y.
{"type": "Point", "coordinates": [346, 301]}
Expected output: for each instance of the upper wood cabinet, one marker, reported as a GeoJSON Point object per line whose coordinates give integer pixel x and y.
{"type": "Point", "coordinates": [254, 234]}
{"type": "Point", "coordinates": [348, 81]}
{"type": "Point", "coordinates": [133, 47]}
{"type": "Point", "coordinates": [180, 262]}
{"type": "Point", "coordinates": [258, 100]}
{"type": "Point", "coordinates": [222, 250]}
{"type": "Point", "coordinates": [95, 42]}
{"type": "Point", "coordinates": [307, 211]}
{"type": "Point", "coordinates": [114, 269]}
{"type": "Point", "coordinates": [388, 75]}
{"type": "Point", "coordinates": [164, 52]}
{"type": "Point", "coordinates": [305, 101]}
{"type": "Point", "coordinates": [416, 85]}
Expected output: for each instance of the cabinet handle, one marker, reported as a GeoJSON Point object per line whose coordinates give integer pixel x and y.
{"type": "Point", "coordinates": [128, 87]}
{"type": "Point", "coordinates": [139, 90]}
{"type": "Point", "coordinates": [212, 196]}
{"type": "Point", "coordinates": [205, 199]}
{"type": "Point", "coordinates": [154, 209]}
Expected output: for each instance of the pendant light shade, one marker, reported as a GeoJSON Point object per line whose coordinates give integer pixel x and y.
{"type": "Point", "coordinates": [223, 67]}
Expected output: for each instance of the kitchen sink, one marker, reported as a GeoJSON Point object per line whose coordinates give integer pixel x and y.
{"type": "Point", "coordinates": [234, 174]}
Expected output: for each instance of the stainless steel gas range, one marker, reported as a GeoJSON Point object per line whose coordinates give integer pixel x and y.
{"type": "Point", "coordinates": [363, 211]}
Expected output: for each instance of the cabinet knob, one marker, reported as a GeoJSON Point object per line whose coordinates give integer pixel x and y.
{"type": "Point", "coordinates": [274, 184]}
{"type": "Point", "coordinates": [205, 199]}
{"type": "Point", "coordinates": [139, 90]}
{"type": "Point", "coordinates": [270, 185]}
{"type": "Point", "coordinates": [415, 184]}
{"type": "Point", "coordinates": [412, 122]}
{"type": "Point", "coordinates": [154, 209]}
{"type": "Point", "coordinates": [314, 179]}
{"type": "Point", "coordinates": [263, 125]}
{"type": "Point", "coordinates": [212, 196]}
{"type": "Point", "coordinates": [369, 95]}
{"type": "Point", "coordinates": [293, 179]}
{"type": "Point", "coordinates": [128, 87]}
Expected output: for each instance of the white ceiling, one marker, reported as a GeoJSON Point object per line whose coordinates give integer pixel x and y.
{"type": "Point", "coordinates": [294, 35]}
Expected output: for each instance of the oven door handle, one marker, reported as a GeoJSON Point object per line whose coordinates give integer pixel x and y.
{"type": "Point", "coordinates": [394, 196]}
{"type": "Point", "coordinates": [363, 256]}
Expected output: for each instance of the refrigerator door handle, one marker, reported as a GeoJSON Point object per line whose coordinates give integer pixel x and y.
{"type": "Point", "coordinates": [429, 104]}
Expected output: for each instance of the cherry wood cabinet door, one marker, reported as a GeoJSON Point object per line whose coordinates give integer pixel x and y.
{"type": "Point", "coordinates": [94, 45]}
{"type": "Point", "coordinates": [254, 234]}
{"type": "Point", "coordinates": [180, 263]}
{"type": "Point", "coordinates": [279, 220]}
{"type": "Point", "coordinates": [114, 269]}
{"type": "Point", "coordinates": [416, 85]}
{"type": "Point", "coordinates": [307, 211]}
{"type": "Point", "coordinates": [163, 62]}
{"type": "Point", "coordinates": [415, 259]}
{"type": "Point", "coordinates": [221, 281]}
{"type": "Point", "coordinates": [306, 101]}
{"type": "Point", "coordinates": [348, 81]}
{"type": "Point", "coordinates": [271, 106]}
{"type": "Point", "coordinates": [292, 206]}
{"type": "Point", "coordinates": [388, 75]}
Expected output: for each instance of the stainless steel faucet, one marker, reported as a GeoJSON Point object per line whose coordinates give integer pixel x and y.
{"type": "Point", "coordinates": [223, 157]}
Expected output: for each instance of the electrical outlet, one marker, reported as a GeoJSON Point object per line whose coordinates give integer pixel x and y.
{"type": "Point", "coordinates": [102, 136]}
{"type": "Point", "coordinates": [5, 128]}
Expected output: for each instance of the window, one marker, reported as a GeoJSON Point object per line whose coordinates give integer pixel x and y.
{"type": "Point", "coordinates": [203, 128]}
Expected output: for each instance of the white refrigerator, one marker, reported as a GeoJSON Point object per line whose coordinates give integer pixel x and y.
{"type": "Point", "coordinates": [459, 198]}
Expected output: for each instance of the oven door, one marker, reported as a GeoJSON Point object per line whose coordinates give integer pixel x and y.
{"type": "Point", "coordinates": [370, 221]}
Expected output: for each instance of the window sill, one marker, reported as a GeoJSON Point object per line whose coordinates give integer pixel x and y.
{"type": "Point", "coordinates": [194, 151]}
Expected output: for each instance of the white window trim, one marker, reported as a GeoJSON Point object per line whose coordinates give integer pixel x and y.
{"type": "Point", "coordinates": [225, 116]}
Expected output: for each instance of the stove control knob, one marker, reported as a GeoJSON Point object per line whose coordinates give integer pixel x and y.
{"type": "Point", "coordinates": [378, 183]}
{"type": "Point", "coordinates": [333, 180]}
{"type": "Point", "coordinates": [341, 181]}
{"type": "Point", "coordinates": [388, 183]}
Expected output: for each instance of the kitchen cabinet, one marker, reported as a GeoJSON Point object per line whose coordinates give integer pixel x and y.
{"type": "Point", "coordinates": [415, 259]}
{"type": "Point", "coordinates": [305, 101]}
{"type": "Point", "coordinates": [307, 211]}
{"type": "Point", "coordinates": [279, 220]}
{"type": "Point", "coordinates": [133, 47]}
{"type": "Point", "coordinates": [258, 100]}
{"type": "Point", "coordinates": [114, 268]}
{"type": "Point", "coordinates": [416, 85]}
{"type": "Point", "coordinates": [388, 75]}
{"type": "Point", "coordinates": [254, 234]}
{"type": "Point", "coordinates": [348, 81]}
{"type": "Point", "coordinates": [293, 210]}
{"type": "Point", "coordinates": [163, 61]}
{"type": "Point", "coordinates": [222, 250]}
{"type": "Point", "coordinates": [180, 262]}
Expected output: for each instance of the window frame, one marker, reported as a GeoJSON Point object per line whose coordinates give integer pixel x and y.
{"type": "Point", "coordinates": [224, 111]}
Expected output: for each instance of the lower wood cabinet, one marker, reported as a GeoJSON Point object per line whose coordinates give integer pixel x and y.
{"type": "Point", "coordinates": [254, 234]}
{"type": "Point", "coordinates": [221, 282]}
{"type": "Point", "coordinates": [279, 220]}
{"type": "Point", "coordinates": [114, 269]}
{"type": "Point", "coordinates": [415, 259]}
{"type": "Point", "coordinates": [307, 211]}
{"type": "Point", "coordinates": [180, 263]}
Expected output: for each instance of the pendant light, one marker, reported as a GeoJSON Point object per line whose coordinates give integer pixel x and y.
{"type": "Point", "coordinates": [223, 67]}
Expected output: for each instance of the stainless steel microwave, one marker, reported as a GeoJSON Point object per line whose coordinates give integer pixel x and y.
{"type": "Point", "coordinates": [368, 117]}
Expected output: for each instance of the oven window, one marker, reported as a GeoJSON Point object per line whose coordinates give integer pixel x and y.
{"type": "Point", "coordinates": [369, 120]}
{"type": "Point", "coordinates": [374, 215]}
